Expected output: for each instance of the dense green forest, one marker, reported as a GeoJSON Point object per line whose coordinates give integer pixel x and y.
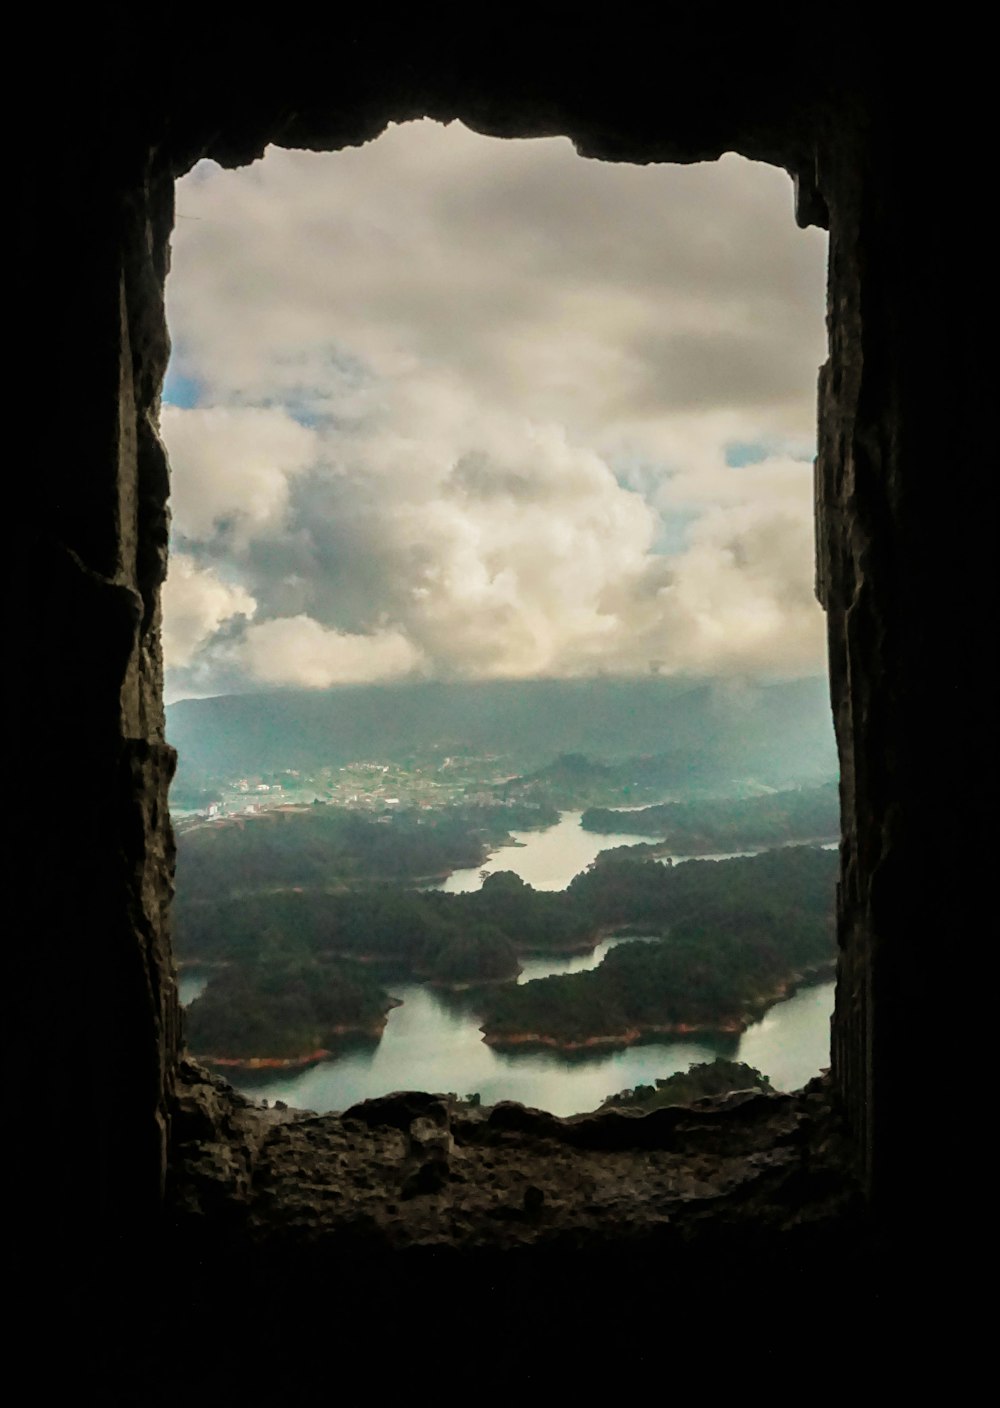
{"type": "Point", "coordinates": [574, 781]}
{"type": "Point", "coordinates": [602, 790]}
{"type": "Point", "coordinates": [698, 732]}
{"type": "Point", "coordinates": [326, 845]}
{"type": "Point", "coordinates": [279, 1008]}
{"type": "Point", "coordinates": [464, 938]}
{"type": "Point", "coordinates": [628, 891]}
{"type": "Point", "coordinates": [731, 934]}
{"type": "Point", "coordinates": [706, 825]}
{"type": "Point", "coordinates": [736, 934]}
{"type": "Point", "coordinates": [706, 1078]}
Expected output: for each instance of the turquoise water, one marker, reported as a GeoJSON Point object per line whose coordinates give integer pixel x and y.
{"type": "Point", "coordinates": [548, 859]}
{"type": "Point", "coordinates": [433, 1042]}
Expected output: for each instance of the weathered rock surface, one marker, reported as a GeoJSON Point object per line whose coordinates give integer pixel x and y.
{"type": "Point", "coordinates": [408, 1171]}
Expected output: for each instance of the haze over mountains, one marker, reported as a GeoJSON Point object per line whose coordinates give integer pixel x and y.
{"type": "Point", "coordinates": [775, 734]}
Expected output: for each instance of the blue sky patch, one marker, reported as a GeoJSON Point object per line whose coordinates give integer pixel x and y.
{"type": "Point", "coordinates": [743, 452]}
{"type": "Point", "coordinates": [672, 535]}
{"type": "Point", "coordinates": [180, 390]}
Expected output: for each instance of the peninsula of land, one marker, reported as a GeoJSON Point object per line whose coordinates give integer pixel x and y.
{"type": "Point", "coordinates": [706, 826]}
{"type": "Point", "coordinates": [734, 937]}
{"type": "Point", "coordinates": [299, 971]}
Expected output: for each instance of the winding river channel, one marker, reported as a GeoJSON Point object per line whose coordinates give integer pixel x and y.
{"type": "Point", "coordinates": [433, 1042]}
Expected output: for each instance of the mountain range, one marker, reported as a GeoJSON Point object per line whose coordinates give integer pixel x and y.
{"type": "Point", "coordinates": [775, 733]}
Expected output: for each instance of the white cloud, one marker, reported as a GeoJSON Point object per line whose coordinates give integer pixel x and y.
{"type": "Point", "coordinates": [232, 466]}
{"type": "Point", "coordinates": [196, 602]}
{"type": "Point", "coordinates": [597, 294]}
{"type": "Point", "coordinates": [520, 372]}
{"type": "Point", "coordinates": [299, 651]}
{"type": "Point", "coordinates": [742, 595]}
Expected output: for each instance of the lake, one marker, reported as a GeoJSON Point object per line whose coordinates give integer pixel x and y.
{"type": "Point", "coordinates": [547, 859]}
{"type": "Point", "coordinates": [432, 1042]}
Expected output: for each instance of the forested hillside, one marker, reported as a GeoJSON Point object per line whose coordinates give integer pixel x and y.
{"type": "Point", "coordinates": [732, 823]}
{"type": "Point", "coordinates": [724, 940]}
{"type": "Point", "coordinates": [325, 846]}
{"type": "Point", "coordinates": [699, 731]}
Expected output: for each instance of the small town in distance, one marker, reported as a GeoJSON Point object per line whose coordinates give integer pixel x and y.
{"type": "Point", "coordinates": [366, 785]}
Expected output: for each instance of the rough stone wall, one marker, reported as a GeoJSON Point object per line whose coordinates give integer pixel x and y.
{"type": "Point", "coordinates": [902, 570]}
{"type": "Point", "coordinates": [95, 1014]}
{"type": "Point", "coordinates": [508, 1249]}
{"type": "Point", "coordinates": [840, 549]}
{"type": "Point", "coordinates": [900, 563]}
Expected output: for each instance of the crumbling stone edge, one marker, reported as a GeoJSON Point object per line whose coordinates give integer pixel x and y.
{"type": "Point", "coordinates": [413, 1169]}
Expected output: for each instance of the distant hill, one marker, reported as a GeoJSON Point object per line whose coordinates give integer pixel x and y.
{"type": "Point", "coordinates": [705, 827]}
{"type": "Point", "coordinates": [774, 734]}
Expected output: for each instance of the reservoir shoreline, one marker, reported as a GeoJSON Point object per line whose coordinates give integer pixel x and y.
{"type": "Point", "coordinates": [433, 1042]}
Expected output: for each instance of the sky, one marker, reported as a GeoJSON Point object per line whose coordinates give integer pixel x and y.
{"type": "Point", "coordinates": [451, 406]}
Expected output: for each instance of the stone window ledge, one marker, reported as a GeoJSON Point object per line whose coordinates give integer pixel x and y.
{"type": "Point", "coordinates": [409, 1171]}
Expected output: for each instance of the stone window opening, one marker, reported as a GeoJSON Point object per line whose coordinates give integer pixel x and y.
{"type": "Point", "coordinates": [901, 564]}
{"type": "Point", "coordinates": [208, 216]}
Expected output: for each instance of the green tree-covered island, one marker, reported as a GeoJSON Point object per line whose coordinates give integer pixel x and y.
{"type": "Point", "coordinates": [285, 1013]}
{"type": "Point", "coordinates": [303, 935]}
{"type": "Point", "coordinates": [699, 1082]}
{"type": "Point", "coordinates": [730, 938]}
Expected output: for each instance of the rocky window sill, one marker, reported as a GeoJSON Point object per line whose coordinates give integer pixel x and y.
{"type": "Point", "coordinates": [407, 1171]}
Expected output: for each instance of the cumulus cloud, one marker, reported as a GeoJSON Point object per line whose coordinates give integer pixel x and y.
{"type": "Point", "coordinates": [231, 467]}
{"type": "Point", "coordinates": [196, 602]}
{"type": "Point", "coordinates": [298, 650]}
{"type": "Point", "coordinates": [464, 407]}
